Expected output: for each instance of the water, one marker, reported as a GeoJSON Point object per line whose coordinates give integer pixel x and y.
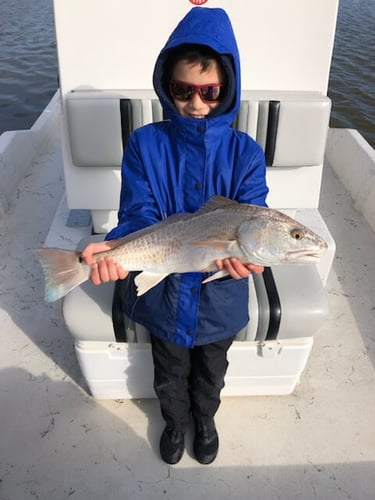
{"type": "Point", "coordinates": [28, 64]}
{"type": "Point", "coordinates": [352, 79]}
{"type": "Point", "coordinates": [28, 61]}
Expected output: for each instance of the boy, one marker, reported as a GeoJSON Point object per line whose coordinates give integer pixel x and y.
{"type": "Point", "coordinates": [175, 166]}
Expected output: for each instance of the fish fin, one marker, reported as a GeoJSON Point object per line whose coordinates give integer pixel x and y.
{"type": "Point", "coordinates": [147, 280]}
{"type": "Point", "coordinates": [214, 203]}
{"type": "Point", "coordinates": [63, 271]}
{"type": "Point", "coordinates": [216, 276]}
{"type": "Point", "coordinates": [224, 245]}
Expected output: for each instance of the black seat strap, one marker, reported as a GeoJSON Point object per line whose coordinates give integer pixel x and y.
{"type": "Point", "coordinates": [274, 304]}
{"type": "Point", "coordinates": [272, 126]}
{"type": "Point", "coordinates": [126, 115]}
{"type": "Point", "coordinates": [118, 317]}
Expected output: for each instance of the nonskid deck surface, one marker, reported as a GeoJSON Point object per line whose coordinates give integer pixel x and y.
{"type": "Point", "coordinates": [58, 443]}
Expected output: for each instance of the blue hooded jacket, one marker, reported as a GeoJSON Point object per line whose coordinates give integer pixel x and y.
{"type": "Point", "coordinates": [177, 165]}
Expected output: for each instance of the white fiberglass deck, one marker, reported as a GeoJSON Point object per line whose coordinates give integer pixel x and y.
{"type": "Point", "coordinates": [58, 443]}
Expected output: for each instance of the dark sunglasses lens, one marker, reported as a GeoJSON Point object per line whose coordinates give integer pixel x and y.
{"type": "Point", "coordinates": [211, 93]}
{"type": "Point", "coordinates": [181, 91]}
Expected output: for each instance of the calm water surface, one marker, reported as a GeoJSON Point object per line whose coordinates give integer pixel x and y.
{"type": "Point", "coordinates": [28, 61]}
{"type": "Point", "coordinates": [28, 64]}
{"type": "Point", "coordinates": [352, 79]}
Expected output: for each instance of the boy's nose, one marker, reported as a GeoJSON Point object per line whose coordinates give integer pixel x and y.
{"type": "Point", "coordinates": [196, 101]}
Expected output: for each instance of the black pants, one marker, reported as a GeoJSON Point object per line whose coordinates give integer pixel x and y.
{"type": "Point", "coordinates": [189, 380]}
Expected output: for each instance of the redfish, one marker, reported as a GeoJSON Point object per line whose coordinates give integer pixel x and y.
{"type": "Point", "coordinates": [187, 242]}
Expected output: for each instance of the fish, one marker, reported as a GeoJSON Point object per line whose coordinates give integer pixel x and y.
{"type": "Point", "coordinates": [191, 242]}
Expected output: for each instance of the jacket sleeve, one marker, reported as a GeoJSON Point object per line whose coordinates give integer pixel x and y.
{"type": "Point", "coordinates": [137, 204]}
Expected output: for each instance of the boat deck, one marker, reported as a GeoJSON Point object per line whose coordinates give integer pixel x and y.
{"type": "Point", "coordinates": [59, 443]}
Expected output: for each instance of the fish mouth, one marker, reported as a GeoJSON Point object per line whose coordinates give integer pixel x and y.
{"type": "Point", "coordinates": [305, 255]}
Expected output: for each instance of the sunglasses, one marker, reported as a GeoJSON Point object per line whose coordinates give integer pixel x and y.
{"type": "Point", "coordinates": [211, 92]}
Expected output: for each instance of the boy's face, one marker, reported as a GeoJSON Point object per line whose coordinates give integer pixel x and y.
{"type": "Point", "coordinates": [192, 74]}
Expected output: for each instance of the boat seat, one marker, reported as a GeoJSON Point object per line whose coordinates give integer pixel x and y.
{"type": "Point", "coordinates": [291, 127]}
{"type": "Point", "coordinates": [287, 304]}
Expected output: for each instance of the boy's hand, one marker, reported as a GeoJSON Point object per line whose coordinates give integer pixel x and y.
{"type": "Point", "coordinates": [105, 269]}
{"type": "Point", "coordinates": [237, 269]}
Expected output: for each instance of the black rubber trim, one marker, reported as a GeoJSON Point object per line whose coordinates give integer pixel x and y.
{"type": "Point", "coordinates": [274, 303]}
{"type": "Point", "coordinates": [126, 120]}
{"type": "Point", "coordinates": [272, 126]}
{"type": "Point", "coordinates": [118, 319]}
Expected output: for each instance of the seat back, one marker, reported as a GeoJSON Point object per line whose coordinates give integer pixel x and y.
{"type": "Point", "coordinates": [290, 126]}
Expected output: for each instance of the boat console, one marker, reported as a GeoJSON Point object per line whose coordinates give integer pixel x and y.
{"type": "Point", "coordinates": [106, 93]}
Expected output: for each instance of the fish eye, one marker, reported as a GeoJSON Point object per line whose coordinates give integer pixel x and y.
{"type": "Point", "coordinates": [297, 234]}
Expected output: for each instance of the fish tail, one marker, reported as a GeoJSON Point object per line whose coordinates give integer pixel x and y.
{"type": "Point", "coordinates": [63, 271]}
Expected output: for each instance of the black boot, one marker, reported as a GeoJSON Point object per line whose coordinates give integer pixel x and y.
{"type": "Point", "coordinates": [172, 445]}
{"type": "Point", "coordinates": [206, 441]}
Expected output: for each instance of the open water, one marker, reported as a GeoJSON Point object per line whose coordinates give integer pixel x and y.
{"type": "Point", "coordinates": [352, 78]}
{"type": "Point", "coordinates": [28, 61]}
{"type": "Point", "coordinates": [28, 64]}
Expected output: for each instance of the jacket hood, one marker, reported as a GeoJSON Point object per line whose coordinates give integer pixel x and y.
{"type": "Point", "coordinates": [211, 27]}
